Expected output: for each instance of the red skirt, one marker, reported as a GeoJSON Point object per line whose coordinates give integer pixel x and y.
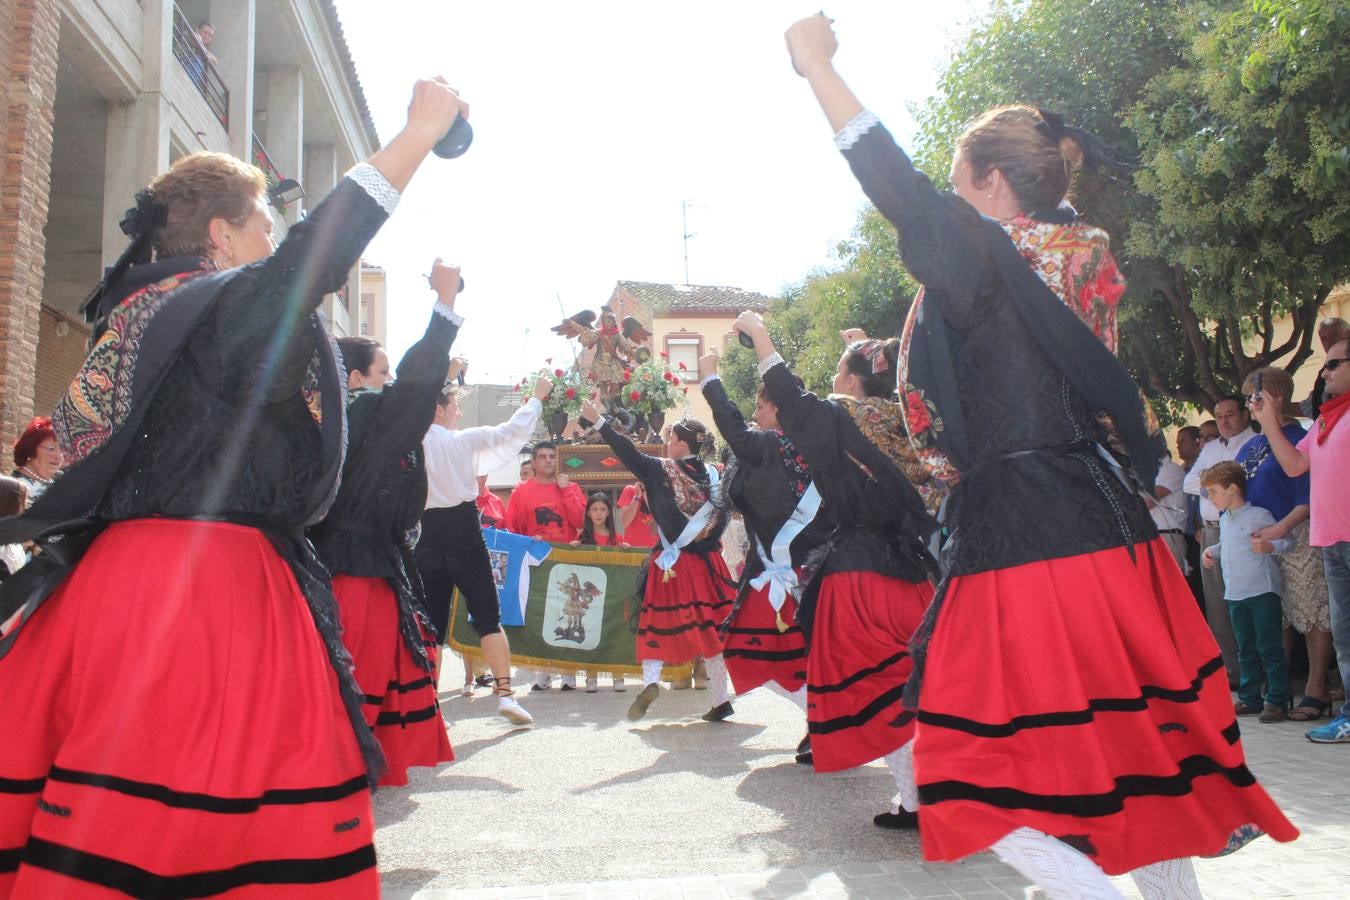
{"type": "Point", "coordinates": [757, 652]}
{"type": "Point", "coordinates": [172, 727]}
{"type": "Point", "coordinates": [1085, 698]}
{"type": "Point", "coordinates": [683, 607]}
{"type": "Point", "coordinates": [858, 666]}
{"type": "Point", "coordinates": [399, 696]}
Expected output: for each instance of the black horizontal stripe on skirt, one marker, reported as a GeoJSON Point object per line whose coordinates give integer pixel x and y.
{"type": "Point", "coordinates": [409, 686]}
{"type": "Point", "coordinates": [9, 859]}
{"type": "Point", "coordinates": [372, 699]}
{"type": "Point", "coordinates": [768, 632]}
{"type": "Point", "coordinates": [399, 718]}
{"type": "Point", "coordinates": [21, 785]}
{"type": "Point", "coordinates": [1189, 694]}
{"type": "Point", "coordinates": [766, 655]}
{"type": "Point", "coordinates": [1089, 805]}
{"type": "Point", "coordinates": [211, 802]}
{"type": "Point", "coordinates": [857, 676]}
{"type": "Point", "coordinates": [648, 607]}
{"type": "Point", "coordinates": [864, 715]}
{"type": "Point", "coordinates": [1232, 733]}
{"type": "Point", "coordinates": [678, 629]}
{"type": "Point", "coordinates": [137, 882]}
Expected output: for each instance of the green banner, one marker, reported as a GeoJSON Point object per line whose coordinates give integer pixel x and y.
{"type": "Point", "coordinates": [582, 613]}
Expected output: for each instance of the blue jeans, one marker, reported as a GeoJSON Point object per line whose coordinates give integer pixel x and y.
{"type": "Point", "coordinates": [1336, 562]}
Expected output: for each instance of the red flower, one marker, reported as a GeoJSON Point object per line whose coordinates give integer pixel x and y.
{"type": "Point", "coordinates": [916, 412]}
{"type": "Point", "coordinates": [683, 367]}
{"type": "Point", "coordinates": [570, 393]}
{"type": "Point", "coordinates": [558, 373]}
{"type": "Point", "coordinates": [686, 390]}
{"type": "Point", "coordinates": [627, 376]}
{"type": "Point", "coordinates": [665, 355]}
{"type": "Point", "coordinates": [635, 395]}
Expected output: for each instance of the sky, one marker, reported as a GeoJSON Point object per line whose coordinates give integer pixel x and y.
{"type": "Point", "coordinates": [597, 125]}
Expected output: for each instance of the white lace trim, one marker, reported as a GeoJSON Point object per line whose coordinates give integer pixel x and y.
{"type": "Point", "coordinates": [713, 377]}
{"type": "Point", "coordinates": [859, 125]}
{"type": "Point", "coordinates": [370, 180]}
{"type": "Point", "coordinates": [442, 310]}
{"type": "Point", "coordinates": [768, 363]}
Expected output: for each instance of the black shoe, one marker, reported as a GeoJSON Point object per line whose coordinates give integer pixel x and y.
{"type": "Point", "coordinates": [539, 687]}
{"type": "Point", "coordinates": [642, 701]}
{"type": "Point", "coordinates": [568, 687]}
{"type": "Point", "coordinates": [719, 712]}
{"type": "Point", "coordinates": [804, 752]}
{"type": "Point", "coordinates": [483, 680]}
{"type": "Point", "coordinates": [902, 819]}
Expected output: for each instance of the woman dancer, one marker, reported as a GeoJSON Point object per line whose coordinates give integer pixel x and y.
{"type": "Point", "coordinates": [772, 488]}
{"type": "Point", "coordinates": [188, 667]}
{"type": "Point", "coordinates": [870, 585]}
{"type": "Point", "coordinates": [365, 539]}
{"type": "Point", "coordinates": [1074, 714]}
{"type": "Point", "coordinates": [688, 589]}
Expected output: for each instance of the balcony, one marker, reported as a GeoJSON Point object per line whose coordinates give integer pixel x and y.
{"type": "Point", "coordinates": [192, 55]}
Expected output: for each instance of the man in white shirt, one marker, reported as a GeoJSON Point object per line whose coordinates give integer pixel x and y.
{"type": "Point", "coordinates": [1235, 430]}
{"type": "Point", "coordinates": [1169, 511]}
{"type": "Point", "coordinates": [451, 552]}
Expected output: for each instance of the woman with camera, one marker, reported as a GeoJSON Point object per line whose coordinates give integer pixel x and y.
{"type": "Point", "coordinates": [177, 634]}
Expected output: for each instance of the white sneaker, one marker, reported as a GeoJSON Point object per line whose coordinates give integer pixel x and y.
{"type": "Point", "coordinates": [467, 690]}
{"type": "Point", "coordinates": [592, 682]}
{"type": "Point", "coordinates": [509, 709]}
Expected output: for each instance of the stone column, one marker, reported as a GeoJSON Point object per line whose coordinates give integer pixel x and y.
{"type": "Point", "coordinates": [286, 126]}
{"type": "Point", "coordinates": [235, 22]}
{"type": "Point", "coordinates": [28, 94]}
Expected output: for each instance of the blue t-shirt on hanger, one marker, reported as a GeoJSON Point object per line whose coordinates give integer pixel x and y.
{"type": "Point", "coordinates": [512, 555]}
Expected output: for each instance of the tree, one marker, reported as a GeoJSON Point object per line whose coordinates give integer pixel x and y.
{"type": "Point", "coordinates": [871, 291]}
{"type": "Point", "coordinates": [1245, 151]}
{"type": "Point", "coordinates": [1237, 119]}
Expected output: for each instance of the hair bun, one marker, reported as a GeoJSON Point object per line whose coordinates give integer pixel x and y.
{"type": "Point", "coordinates": [1073, 153]}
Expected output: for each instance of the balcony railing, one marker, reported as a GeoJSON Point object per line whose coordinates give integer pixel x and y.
{"type": "Point", "coordinates": [192, 55]}
{"type": "Point", "coordinates": [264, 162]}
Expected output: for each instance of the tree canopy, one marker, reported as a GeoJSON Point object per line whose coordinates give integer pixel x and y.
{"type": "Point", "coordinates": [1235, 116]}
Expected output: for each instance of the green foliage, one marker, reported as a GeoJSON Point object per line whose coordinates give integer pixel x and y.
{"type": "Point", "coordinates": [872, 291]}
{"type": "Point", "coordinates": [1238, 115]}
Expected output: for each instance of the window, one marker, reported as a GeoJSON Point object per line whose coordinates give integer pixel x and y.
{"type": "Point", "coordinates": [685, 347]}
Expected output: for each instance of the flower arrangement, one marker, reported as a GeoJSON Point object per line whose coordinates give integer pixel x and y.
{"type": "Point", "coordinates": [570, 388]}
{"type": "Point", "coordinates": [652, 387]}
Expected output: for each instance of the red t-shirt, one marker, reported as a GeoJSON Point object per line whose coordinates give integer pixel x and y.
{"type": "Point", "coordinates": [640, 532]}
{"type": "Point", "coordinates": [546, 511]}
{"type": "Point", "coordinates": [491, 510]}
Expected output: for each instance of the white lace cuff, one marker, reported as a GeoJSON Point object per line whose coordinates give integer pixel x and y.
{"type": "Point", "coordinates": [370, 180]}
{"type": "Point", "coordinates": [768, 363]}
{"type": "Point", "coordinates": [713, 377]}
{"type": "Point", "coordinates": [442, 310]}
{"type": "Point", "coordinates": [859, 125]}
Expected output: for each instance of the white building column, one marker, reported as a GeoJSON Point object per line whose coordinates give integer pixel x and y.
{"type": "Point", "coordinates": [136, 144]}
{"type": "Point", "coordinates": [286, 126]}
{"type": "Point", "coordinates": [235, 22]}
{"type": "Point", "coordinates": [321, 173]}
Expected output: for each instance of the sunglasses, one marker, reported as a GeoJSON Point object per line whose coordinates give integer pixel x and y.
{"type": "Point", "coordinates": [1331, 364]}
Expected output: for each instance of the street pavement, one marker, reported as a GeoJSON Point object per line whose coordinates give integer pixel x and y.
{"type": "Point", "coordinates": [588, 804]}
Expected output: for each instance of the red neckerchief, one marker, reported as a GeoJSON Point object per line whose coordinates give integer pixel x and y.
{"type": "Point", "coordinates": [1330, 414]}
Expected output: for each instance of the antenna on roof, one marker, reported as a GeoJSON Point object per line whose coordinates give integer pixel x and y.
{"type": "Point", "coordinates": [684, 222]}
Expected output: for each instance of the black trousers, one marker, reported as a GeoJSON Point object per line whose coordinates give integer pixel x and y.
{"type": "Point", "coordinates": [451, 554]}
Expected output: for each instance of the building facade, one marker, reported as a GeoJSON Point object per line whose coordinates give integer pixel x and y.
{"type": "Point", "coordinates": [686, 321]}
{"type": "Point", "coordinates": [102, 95]}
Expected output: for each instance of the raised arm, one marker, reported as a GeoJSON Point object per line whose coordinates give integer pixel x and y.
{"type": "Point", "coordinates": [941, 243]}
{"type": "Point", "coordinates": [259, 326]}
{"type": "Point", "coordinates": [801, 414]}
{"type": "Point", "coordinates": [640, 464]}
{"type": "Point", "coordinates": [756, 448]}
{"type": "Point", "coordinates": [408, 406]}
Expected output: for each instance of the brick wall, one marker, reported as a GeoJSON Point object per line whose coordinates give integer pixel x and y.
{"type": "Point", "coordinates": [29, 30]}
{"type": "Point", "coordinates": [61, 355]}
